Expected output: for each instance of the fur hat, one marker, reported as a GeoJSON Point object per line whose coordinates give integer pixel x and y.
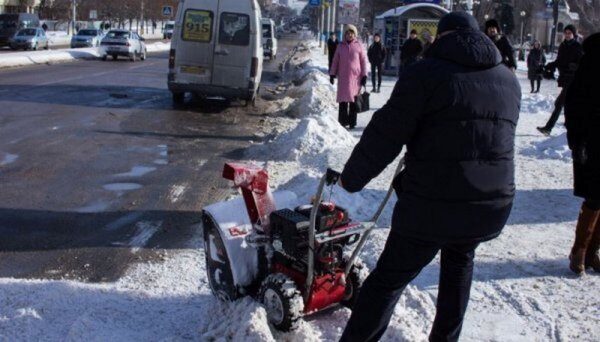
{"type": "Point", "coordinates": [492, 23]}
{"type": "Point", "coordinates": [351, 28]}
{"type": "Point", "coordinates": [571, 28]}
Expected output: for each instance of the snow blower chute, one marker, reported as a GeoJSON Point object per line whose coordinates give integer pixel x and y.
{"type": "Point", "coordinates": [292, 260]}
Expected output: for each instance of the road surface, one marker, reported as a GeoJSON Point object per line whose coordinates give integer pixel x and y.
{"type": "Point", "coordinates": [99, 171]}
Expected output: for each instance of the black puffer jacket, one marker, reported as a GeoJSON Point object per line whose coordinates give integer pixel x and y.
{"type": "Point", "coordinates": [411, 49]}
{"type": "Point", "coordinates": [506, 51]}
{"type": "Point", "coordinates": [582, 119]}
{"type": "Point", "coordinates": [569, 54]}
{"type": "Point", "coordinates": [456, 111]}
{"type": "Point", "coordinates": [376, 53]}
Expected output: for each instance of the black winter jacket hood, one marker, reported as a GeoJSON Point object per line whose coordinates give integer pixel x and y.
{"type": "Point", "coordinates": [469, 48]}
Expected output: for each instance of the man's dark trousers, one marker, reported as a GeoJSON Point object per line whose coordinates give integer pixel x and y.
{"type": "Point", "coordinates": [400, 262]}
{"type": "Point", "coordinates": [558, 107]}
{"type": "Point", "coordinates": [376, 70]}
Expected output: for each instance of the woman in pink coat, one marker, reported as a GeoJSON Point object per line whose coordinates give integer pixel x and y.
{"type": "Point", "coordinates": [350, 67]}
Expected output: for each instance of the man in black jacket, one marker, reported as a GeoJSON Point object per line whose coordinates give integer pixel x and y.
{"type": "Point", "coordinates": [410, 51]}
{"type": "Point", "coordinates": [332, 44]}
{"type": "Point", "coordinates": [456, 112]}
{"type": "Point", "coordinates": [376, 54]}
{"type": "Point", "coordinates": [492, 29]}
{"type": "Point", "coordinates": [567, 61]}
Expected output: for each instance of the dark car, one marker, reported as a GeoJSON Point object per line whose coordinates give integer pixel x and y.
{"type": "Point", "coordinates": [12, 23]}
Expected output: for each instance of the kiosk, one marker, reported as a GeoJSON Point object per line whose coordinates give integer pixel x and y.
{"type": "Point", "coordinates": [395, 24]}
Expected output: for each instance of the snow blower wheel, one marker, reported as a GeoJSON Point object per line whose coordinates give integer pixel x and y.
{"type": "Point", "coordinates": [282, 300]}
{"type": "Point", "coordinates": [218, 264]}
{"type": "Point", "coordinates": [353, 284]}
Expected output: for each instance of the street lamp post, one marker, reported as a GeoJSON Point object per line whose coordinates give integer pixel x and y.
{"type": "Point", "coordinates": [522, 25]}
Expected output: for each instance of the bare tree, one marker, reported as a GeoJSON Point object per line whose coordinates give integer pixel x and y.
{"type": "Point", "coordinates": [589, 14]}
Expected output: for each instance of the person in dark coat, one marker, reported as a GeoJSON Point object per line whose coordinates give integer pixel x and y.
{"type": "Point", "coordinates": [582, 119]}
{"type": "Point", "coordinates": [492, 29]}
{"type": "Point", "coordinates": [376, 55]}
{"type": "Point", "coordinates": [332, 44]}
{"type": "Point", "coordinates": [411, 50]}
{"type": "Point", "coordinates": [569, 54]}
{"type": "Point", "coordinates": [456, 111]}
{"type": "Point", "coordinates": [535, 66]}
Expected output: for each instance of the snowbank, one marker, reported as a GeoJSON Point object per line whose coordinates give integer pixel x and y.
{"type": "Point", "coordinates": [19, 59]}
{"type": "Point", "coordinates": [552, 148]}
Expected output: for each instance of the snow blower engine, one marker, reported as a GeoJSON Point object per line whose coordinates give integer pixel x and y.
{"type": "Point", "coordinates": [294, 261]}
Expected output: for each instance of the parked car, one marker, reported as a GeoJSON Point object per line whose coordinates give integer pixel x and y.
{"type": "Point", "coordinates": [269, 38]}
{"type": "Point", "coordinates": [87, 38]}
{"type": "Point", "coordinates": [29, 38]}
{"type": "Point", "coordinates": [168, 31]}
{"type": "Point", "coordinates": [216, 50]}
{"type": "Point", "coordinates": [123, 43]}
{"type": "Point", "coordinates": [11, 23]}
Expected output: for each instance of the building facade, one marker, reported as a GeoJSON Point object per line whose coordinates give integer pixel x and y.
{"type": "Point", "coordinates": [18, 6]}
{"type": "Point", "coordinates": [543, 23]}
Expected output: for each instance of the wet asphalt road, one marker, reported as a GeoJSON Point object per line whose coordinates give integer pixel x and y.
{"type": "Point", "coordinates": [99, 171]}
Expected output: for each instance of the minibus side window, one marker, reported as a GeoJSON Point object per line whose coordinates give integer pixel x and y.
{"type": "Point", "coordinates": [234, 29]}
{"type": "Point", "coordinates": [197, 26]}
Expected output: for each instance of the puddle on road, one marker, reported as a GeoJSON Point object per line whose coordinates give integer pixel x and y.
{"type": "Point", "coordinates": [122, 186]}
{"type": "Point", "coordinates": [96, 207]}
{"type": "Point", "coordinates": [137, 171]}
{"type": "Point", "coordinates": [8, 159]}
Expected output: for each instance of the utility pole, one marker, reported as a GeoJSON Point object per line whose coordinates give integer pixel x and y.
{"type": "Point", "coordinates": [74, 16]}
{"type": "Point", "coordinates": [322, 26]}
{"type": "Point", "coordinates": [555, 25]}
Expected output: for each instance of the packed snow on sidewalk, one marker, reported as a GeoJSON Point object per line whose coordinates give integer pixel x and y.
{"type": "Point", "coordinates": [522, 290]}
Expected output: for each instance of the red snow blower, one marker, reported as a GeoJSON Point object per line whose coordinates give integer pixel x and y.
{"type": "Point", "coordinates": [294, 261]}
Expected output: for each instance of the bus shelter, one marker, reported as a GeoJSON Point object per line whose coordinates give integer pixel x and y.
{"type": "Point", "coordinates": [395, 25]}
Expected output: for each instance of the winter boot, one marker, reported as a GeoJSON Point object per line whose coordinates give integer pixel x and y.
{"type": "Point", "coordinates": [379, 88]}
{"type": "Point", "coordinates": [374, 90]}
{"type": "Point", "coordinates": [583, 234]}
{"type": "Point", "coordinates": [544, 130]}
{"type": "Point", "coordinates": [591, 256]}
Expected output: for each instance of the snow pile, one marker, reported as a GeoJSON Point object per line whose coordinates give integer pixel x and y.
{"type": "Point", "coordinates": [551, 148]}
{"type": "Point", "coordinates": [19, 59]}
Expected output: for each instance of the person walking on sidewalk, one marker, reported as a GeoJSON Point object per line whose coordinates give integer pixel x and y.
{"type": "Point", "coordinates": [332, 44]}
{"type": "Point", "coordinates": [376, 54]}
{"type": "Point", "coordinates": [456, 111]}
{"type": "Point", "coordinates": [535, 66]}
{"type": "Point", "coordinates": [569, 54]}
{"type": "Point", "coordinates": [350, 67]}
{"type": "Point", "coordinates": [582, 119]}
{"type": "Point", "coordinates": [411, 50]}
{"type": "Point", "coordinates": [492, 29]}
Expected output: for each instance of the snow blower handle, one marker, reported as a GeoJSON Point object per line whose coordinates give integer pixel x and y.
{"type": "Point", "coordinates": [332, 177]}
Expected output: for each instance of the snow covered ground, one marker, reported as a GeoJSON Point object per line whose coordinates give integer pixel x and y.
{"type": "Point", "coordinates": [19, 59]}
{"type": "Point", "coordinates": [522, 291]}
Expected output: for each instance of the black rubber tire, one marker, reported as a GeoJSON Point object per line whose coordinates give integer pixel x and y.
{"type": "Point", "coordinates": [218, 264]}
{"type": "Point", "coordinates": [105, 57]}
{"type": "Point", "coordinates": [115, 57]}
{"type": "Point", "coordinates": [133, 57]}
{"type": "Point", "coordinates": [143, 56]}
{"type": "Point", "coordinates": [178, 98]}
{"type": "Point", "coordinates": [354, 283]}
{"type": "Point", "coordinates": [286, 314]}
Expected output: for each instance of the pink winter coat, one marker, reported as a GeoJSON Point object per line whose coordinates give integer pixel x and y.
{"type": "Point", "coordinates": [349, 66]}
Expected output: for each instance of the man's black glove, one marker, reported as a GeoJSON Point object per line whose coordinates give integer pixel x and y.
{"type": "Point", "coordinates": [332, 79]}
{"type": "Point", "coordinates": [363, 81]}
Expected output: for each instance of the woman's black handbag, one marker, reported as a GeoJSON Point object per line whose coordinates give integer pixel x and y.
{"type": "Point", "coordinates": [361, 101]}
